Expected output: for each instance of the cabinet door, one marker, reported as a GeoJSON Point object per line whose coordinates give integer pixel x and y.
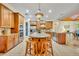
{"type": "Point", "coordinates": [16, 23]}
{"type": "Point", "coordinates": [5, 21]}
{"type": "Point", "coordinates": [9, 42]}
{"type": "Point", "coordinates": [21, 18]}
{"type": "Point", "coordinates": [2, 44]}
{"type": "Point", "coordinates": [11, 19]}
{"type": "Point", "coordinates": [61, 38]}
{"type": "Point", "coordinates": [8, 20]}
{"type": "Point", "coordinates": [4, 17]}
{"type": "Point", "coordinates": [49, 24]}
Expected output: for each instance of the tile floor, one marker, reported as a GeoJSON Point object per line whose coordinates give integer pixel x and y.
{"type": "Point", "coordinates": [58, 50]}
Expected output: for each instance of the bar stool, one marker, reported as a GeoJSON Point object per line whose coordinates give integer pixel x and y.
{"type": "Point", "coordinates": [50, 50]}
{"type": "Point", "coordinates": [28, 47]}
{"type": "Point", "coordinates": [33, 48]}
{"type": "Point", "coordinates": [43, 47]}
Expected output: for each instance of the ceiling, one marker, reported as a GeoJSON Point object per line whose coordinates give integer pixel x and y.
{"type": "Point", "coordinates": [59, 10]}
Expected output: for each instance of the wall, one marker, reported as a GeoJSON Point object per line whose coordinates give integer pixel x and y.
{"type": "Point", "coordinates": [63, 26]}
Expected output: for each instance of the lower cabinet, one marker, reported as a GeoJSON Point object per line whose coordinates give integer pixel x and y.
{"type": "Point", "coordinates": [16, 40]}
{"type": "Point", "coordinates": [2, 44]}
{"type": "Point", "coordinates": [8, 42]}
{"type": "Point", "coordinates": [61, 38]}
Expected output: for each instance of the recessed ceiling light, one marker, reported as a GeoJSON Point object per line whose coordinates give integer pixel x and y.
{"type": "Point", "coordinates": [50, 11]}
{"type": "Point", "coordinates": [27, 11]}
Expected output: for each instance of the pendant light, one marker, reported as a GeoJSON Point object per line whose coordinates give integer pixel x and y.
{"type": "Point", "coordinates": [39, 14]}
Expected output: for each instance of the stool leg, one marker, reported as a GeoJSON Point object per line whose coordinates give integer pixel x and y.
{"type": "Point", "coordinates": [26, 50]}
{"type": "Point", "coordinates": [27, 47]}
{"type": "Point", "coordinates": [32, 50]}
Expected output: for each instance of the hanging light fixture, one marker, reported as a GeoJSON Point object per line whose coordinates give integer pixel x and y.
{"type": "Point", "coordinates": [39, 14]}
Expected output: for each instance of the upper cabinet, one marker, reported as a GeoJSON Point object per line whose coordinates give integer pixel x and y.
{"type": "Point", "coordinates": [18, 19]}
{"type": "Point", "coordinates": [49, 24]}
{"type": "Point", "coordinates": [6, 17]}
{"type": "Point", "coordinates": [71, 19]}
{"type": "Point", "coordinates": [21, 18]}
{"type": "Point", "coordinates": [67, 19]}
{"type": "Point", "coordinates": [11, 16]}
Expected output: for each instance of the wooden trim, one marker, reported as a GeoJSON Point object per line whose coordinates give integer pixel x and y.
{"type": "Point", "coordinates": [5, 7]}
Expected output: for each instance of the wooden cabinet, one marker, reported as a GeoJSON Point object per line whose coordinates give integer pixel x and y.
{"type": "Point", "coordinates": [61, 38]}
{"type": "Point", "coordinates": [67, 19]}
{"type": "Point", "coordinates": [11, 15]}
{"type": "Point", "coordinates": [6, 17]}
{"type": "Point", "coordinates": [6, 43]}
{"type": "Point", "coordinates": [16, 24]}
{"type": "Point", "coordinates": [18, 19]}
{"type": "Point", "coordinates": [21, 18]}
{"type": "Point", "coordinates": [2, 44]}
{"type": "Point", "coordinates": [44, 24]}
{"type": "Point", "coordinates": [34, 25]}
{"type": "Point", "coordinates": [9, 42]}
{"type": "Point", "coordinates": [16, 40]}
{"type": "Point", "coordinates": [9, 19]}
{"type": "Point", "coordinates": [49, 24]}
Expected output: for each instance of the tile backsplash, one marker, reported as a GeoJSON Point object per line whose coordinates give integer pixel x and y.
{"type": "Point", "coordinates": [7, 31]}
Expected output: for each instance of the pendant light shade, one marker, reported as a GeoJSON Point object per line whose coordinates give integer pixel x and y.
{"type": "Point", "coordinates": [39, 14]}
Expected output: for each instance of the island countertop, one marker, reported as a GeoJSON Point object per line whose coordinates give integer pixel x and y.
{"type": "Point", "coordinates": [39, 35]}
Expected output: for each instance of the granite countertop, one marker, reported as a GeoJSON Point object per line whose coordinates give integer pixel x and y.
{"type": "Point", "coordinates": [39, 35]}
{"type": "Point", "coordinates": [7, 34]}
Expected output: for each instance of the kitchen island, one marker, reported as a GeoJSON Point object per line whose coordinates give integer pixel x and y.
{"type": "Point", "coordinates": [40, 44]}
